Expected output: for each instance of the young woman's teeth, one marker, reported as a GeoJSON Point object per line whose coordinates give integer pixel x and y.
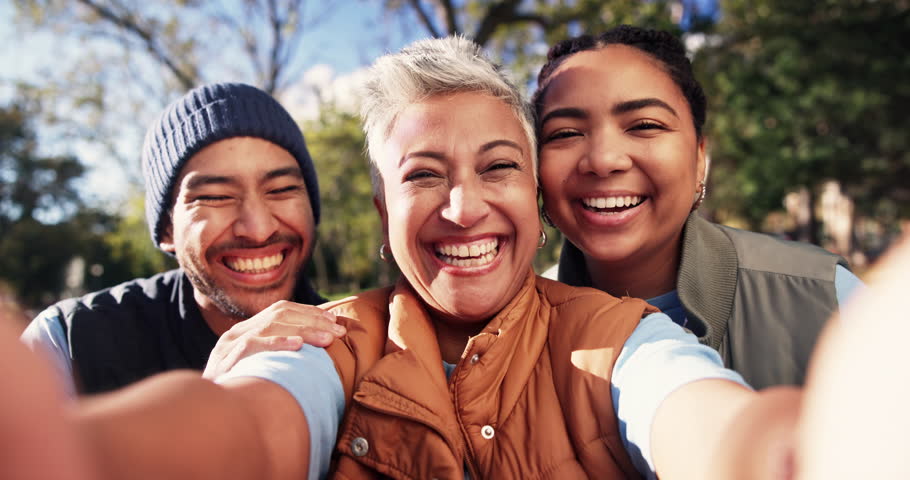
{"type": "Point", "coordinates": [473, 255]}
{"type": "Point", "coordinates": [601, 203]}
{"type": "Point", "coordinates": [254, 265]}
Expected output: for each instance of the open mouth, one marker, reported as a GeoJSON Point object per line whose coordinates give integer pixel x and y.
{"type": "Point", "coordinates": [254, 264]}
{"type": "Point", "coordinates": [471, 254]}
{"type": "Point", "coordinates": [612, 205]}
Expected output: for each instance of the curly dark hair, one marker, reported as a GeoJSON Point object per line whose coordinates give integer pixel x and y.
{"type": "Point", "coordinates": [661, 45]}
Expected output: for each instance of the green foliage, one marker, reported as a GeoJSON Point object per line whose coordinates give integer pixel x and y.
{"type": "Point", "coordinates": [802, 92]}
{"type": "Point", "coordinates": [45, 224]}
{"type": "Point", "coordinates": [131, 251]}
{"type": "Point", "coordinates": [523, 45]}
{"type": "Point", "coordinates": [32, 185]}
{"type": "Point", "coordinates": [346, 257]}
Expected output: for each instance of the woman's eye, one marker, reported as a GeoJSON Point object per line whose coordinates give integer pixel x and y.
{"type": "Point", "coordinates": [421, 175]}
{"type": "Point", "coordinates": [560, 134]}
{"type": "Point", "coordinates": [503, 166]}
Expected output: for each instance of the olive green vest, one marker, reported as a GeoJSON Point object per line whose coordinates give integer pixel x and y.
{"type": "Point", "coordinates": [759, 301]}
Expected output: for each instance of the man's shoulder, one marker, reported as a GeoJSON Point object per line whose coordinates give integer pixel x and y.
{"type": "Point", "coordinates": [129, 296]}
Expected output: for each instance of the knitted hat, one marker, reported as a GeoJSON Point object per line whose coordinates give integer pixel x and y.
{"type": "Point", "coordinates": [202, 117]}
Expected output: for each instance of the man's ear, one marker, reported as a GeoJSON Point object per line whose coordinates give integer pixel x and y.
{"type": "Point", "coordinates": [384, 217]}
{"type": "Point", "coordinates": [167, 239]}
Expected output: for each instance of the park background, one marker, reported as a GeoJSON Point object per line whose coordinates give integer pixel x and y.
{"type": "Point", "coordinates": [808, 120]}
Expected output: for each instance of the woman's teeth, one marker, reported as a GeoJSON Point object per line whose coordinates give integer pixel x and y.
{"type": "Point", "coordinates": [473, 255]}
{"type": "Point", "coordinates": [627, 201]}
{"type": "Point", "coordinates": [254, 265]}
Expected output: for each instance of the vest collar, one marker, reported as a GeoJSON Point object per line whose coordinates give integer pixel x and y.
{"type": "Point", "coordinates": [425, 395]}
{"type": "Point", "coordinates": [708, 273]}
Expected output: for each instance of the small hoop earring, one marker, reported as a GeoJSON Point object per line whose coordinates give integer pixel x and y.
{"type": "Point", "coordinates": [382, 253]}
{"type": "Point", "coordinates": [542, 242]}
{"type": "Point", "coordinates": [700, 195]}
{"type": "Point", "coordinates": [546, 217]}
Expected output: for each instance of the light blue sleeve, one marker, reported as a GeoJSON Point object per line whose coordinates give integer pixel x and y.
{"type": "Point", "coordinates": [657, 358]}
{"type": "Point", "coordinates": [46, 334]}
{"type": "Point", "coordinates": [846, 284]}
{"type": "Point", "coordinates": [310, 376]}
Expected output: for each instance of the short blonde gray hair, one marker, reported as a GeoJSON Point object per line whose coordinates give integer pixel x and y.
{"type": "Point", "coordinates": [429, 68]}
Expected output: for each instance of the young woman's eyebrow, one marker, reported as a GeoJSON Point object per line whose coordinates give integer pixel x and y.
{"type": "Point", "coordinates": [638, 104]}
{"type": "Point", "coordinates": [567, 112]}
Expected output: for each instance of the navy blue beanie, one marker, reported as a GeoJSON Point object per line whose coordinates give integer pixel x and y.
{"type": "Point", "coordinates": [202, 117]}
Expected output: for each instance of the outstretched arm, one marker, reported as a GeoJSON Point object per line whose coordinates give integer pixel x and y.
{"type": "Point", "coordinates": [177, 425]}
{"type": "Point", "coordinates": [682, 415]}
{"type": "Point", "coordinates": [856, 422]}
{"type": "Point", "coordinates": [38, 437]}
{"type": "Point", "coordinates": [717, 429]}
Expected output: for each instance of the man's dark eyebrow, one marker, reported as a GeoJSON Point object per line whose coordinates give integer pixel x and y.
{"type": "Point", "coordinates": [284, 172]}
{"type": "Point", "coordinates": [203, 180]}
{"type": "Point", "coordinates": [568, 112]}
{"type": "Point", "coordinates": [500, 143]}
{"type": "Point", "coordinates": [632, 105]}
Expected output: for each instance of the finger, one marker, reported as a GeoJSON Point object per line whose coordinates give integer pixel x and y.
{"type": "Point", "coordinates": [297, 324]}
{"type": "Point", "coordinates": [317, 338]}
{"type": "Point", "coordinates": [303, 309]}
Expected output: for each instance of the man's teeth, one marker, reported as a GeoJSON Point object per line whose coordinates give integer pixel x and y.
{"type": "Point", "coordinates": [473, 255]}
{"type": "Point", "coordinates": [254, 265]}
{"type": "Point", "coordinates": [612, 202]}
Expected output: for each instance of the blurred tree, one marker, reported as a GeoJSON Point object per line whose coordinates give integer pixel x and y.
{"type": "Point", "coordinates": [802, 92]}
{"type": "Point", "coordinates": [521, 31]}
{"type": "Point", "coordinates": [346, 258]}
{"type": "Point", "coordinates": [121, 61]}
{"type": "Point", "coordinates": [45, 224]}
{"type": "Point", "coordinates": [268, 32]}
{"type": "Point", "coordinates": [128, 245]}
{"type": "Point", "coordinates": [31, 185]}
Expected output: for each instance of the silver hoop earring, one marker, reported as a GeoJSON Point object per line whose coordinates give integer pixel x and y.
{"type": "Point", "coordinates": [700, 195]}
{"type": "Point", "coordinates": [382, 253]}
{"type": "Point", "coordinates": [542, 242]}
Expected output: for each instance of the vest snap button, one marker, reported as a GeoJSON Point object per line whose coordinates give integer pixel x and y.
{"type": "Point", "coordinates": [487, 432]}
{"type": "Point", "coordinates": [475, 358]}
{"type": "Point", "coordinates": [360, 446]}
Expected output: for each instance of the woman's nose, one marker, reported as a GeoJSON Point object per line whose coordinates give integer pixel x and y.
{"type": "Point", "coordinates": [605, 157]}
{"type": "Point", "coordinates": [467, 205]}
{"type": "Point", "coordinates": [255, 221]}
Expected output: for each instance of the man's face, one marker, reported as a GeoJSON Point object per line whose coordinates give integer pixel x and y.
{"type": "Point", "coordinates": [241, 226]}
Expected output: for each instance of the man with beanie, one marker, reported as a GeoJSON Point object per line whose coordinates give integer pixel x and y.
{"type": "Point", "coordinates": [231, 192]}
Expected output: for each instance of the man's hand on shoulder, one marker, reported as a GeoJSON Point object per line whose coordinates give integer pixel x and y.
{"type": "Point", "coordinates": [284, 325]}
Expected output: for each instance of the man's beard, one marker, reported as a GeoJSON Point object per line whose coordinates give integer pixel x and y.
{"type": "Point", "coordinates": [205, 284]}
